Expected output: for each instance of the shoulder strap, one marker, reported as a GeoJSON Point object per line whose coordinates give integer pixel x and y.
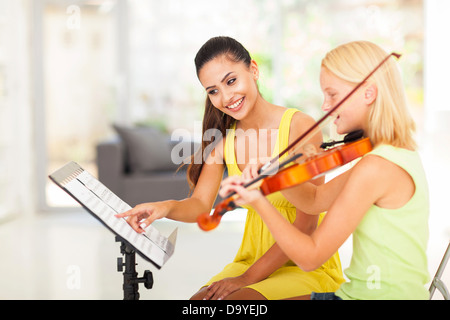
{"type": "Point", "coordinates": [283, 132]}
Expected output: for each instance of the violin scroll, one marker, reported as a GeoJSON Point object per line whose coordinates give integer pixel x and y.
{"type": "Point", "coordinates": [208, 222]}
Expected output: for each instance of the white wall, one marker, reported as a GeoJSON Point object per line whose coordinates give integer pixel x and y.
{"type": "Point", "coordinates": [437, 65]}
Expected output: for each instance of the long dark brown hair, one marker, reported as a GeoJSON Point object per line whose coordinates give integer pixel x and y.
{"type": "Point", "coordinates": [214, 118]}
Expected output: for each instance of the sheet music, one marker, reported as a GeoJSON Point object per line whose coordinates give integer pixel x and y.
{"type": "Point", "coordinates": [102, 202]}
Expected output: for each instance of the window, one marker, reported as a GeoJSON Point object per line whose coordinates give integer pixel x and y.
{"type": "Point", "coordinates": [132, 61]}
{"type": "Point", "coordinates": [288, 39]}
{"type": "Point", "coordinates": [80, 85]}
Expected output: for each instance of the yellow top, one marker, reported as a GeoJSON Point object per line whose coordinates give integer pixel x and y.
{"type": "Point", "coordinates": [289, 280]}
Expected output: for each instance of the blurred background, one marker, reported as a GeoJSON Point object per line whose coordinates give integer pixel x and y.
{"type": "Point", "coordinates": [70, 69]}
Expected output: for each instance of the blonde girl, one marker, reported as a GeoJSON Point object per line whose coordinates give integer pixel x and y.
{"type": "Point", "coordinates": [382, 200]}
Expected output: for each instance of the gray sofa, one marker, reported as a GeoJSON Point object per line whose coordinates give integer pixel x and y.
{"type": "Point", "coordinates": [137, 165]}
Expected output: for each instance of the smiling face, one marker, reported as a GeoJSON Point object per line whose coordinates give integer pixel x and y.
{"type": "Point", "coordinates": [352, 115]}
{"type": "Point", "coordinates": [231, 86]}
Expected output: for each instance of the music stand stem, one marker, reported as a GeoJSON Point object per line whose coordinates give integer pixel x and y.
{"type": "Point", "coordinates": [130, 276]}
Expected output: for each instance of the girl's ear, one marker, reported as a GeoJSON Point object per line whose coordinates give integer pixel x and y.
{"type": "Point", "coordinates": [370, 94]}
{"type": "Point", "coordinates": [254, 69]}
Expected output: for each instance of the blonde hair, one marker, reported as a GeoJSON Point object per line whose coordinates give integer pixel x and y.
{"type": "Point", "coordinates": [389, 119]}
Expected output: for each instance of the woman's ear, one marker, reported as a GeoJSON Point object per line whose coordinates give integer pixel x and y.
{"type": "Point", "coordinates": [254, 69]}
{"type": "Point", "coordinates": [370, 94]}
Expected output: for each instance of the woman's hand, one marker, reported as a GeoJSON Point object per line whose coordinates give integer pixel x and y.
{"type": "Point", "coordinates": [144, 214]}
{"type": "Point", "coordinates": [221, 289]}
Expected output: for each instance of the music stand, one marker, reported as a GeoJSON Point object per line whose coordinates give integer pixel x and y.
{"type": "Point", "coordinates": [103, 205]}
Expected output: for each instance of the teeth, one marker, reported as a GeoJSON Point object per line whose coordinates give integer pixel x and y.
{"type": "Point", "coordinates": [236, 104]}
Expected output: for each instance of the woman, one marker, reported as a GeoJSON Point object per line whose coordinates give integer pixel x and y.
{"type": "Point", "coordinates": [382, 200]}
{"type": "Point", "coordinates": [234, 106]}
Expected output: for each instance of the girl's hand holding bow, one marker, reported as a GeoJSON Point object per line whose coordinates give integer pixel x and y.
{"type": "Point", "coordinates": [246, 195]}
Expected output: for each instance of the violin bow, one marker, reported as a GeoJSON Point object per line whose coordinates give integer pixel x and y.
{"type": "Point", "coordinates": [262, 171]}
{"type": "Point", "coordinates": [319, 122]}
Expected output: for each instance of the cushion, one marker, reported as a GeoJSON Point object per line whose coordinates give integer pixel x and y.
{"type": "Point", "coordinates": [147, 149]}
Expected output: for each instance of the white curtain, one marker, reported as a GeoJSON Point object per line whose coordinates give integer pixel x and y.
{"type": "Point", "coordinates": [16, 155]}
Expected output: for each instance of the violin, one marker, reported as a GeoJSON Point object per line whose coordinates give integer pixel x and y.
{"type": "Point", "coordinates": [297, 174]}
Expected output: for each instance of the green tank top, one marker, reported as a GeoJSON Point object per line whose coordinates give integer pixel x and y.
{"type": "Point", "coordinates": [389, 245]}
